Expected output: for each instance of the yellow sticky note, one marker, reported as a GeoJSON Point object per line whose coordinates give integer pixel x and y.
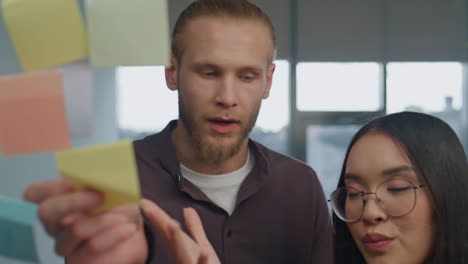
{"type": "Point", "coordinates": [45, 33]}
{"type": "Point", "coordinates": [109, 168]}
{"type": "Point", "coordinates": [128, 33]}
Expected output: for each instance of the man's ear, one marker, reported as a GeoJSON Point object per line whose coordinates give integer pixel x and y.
{"type": "Point", "coordinates": [270, 71]}
{"type": "Point", "coordinates": [171, 74]}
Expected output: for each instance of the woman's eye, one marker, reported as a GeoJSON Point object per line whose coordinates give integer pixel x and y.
{"type": "Point", "coordinates": [398, 189]}
{"type": "Point", "coordinates": [354, 195]}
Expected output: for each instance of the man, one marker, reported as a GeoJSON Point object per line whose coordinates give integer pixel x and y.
{"type": "Point", "coordinates": [257, 206]}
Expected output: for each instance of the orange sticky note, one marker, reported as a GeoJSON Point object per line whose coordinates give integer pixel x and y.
{"type": "Point", "coordinates": [32, 114]}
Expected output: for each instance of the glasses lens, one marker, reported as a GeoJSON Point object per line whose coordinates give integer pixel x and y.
{"type": "Point", "coordinates": [347, 204]}
{"type": "Point", "coordinates": [397, 197]}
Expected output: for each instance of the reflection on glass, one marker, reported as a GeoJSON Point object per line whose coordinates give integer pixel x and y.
{"type": "Point", "coordinates": [326, 146]}
{"type": "Point", "coordinates": [274, 114]}
{"type": "Point", "coordinates": [430, 87]}
{"type": "Point", "coordinates": [339, 86]}
{"type": "Point", "coordinates": [144, 103]}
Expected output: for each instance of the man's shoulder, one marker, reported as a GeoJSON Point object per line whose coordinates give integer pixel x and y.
{"type": "Point", "coordinates": [157, 142]}
{"type": "Point", "coordinates": [289, 175]}
{"type": "Point", "coordinates": [145, 146]}
{"type": "Point", "coordinates": [280, 162]}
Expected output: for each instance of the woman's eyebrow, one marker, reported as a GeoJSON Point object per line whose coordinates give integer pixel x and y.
{"type": "Point", "coordinates": [386, 172]}
{"type": "Point", "coordinates": [352, 176]}
{"type": "Point", "coordinates": [396, 170]}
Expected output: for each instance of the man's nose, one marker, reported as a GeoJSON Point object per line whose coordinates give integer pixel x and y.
{"type": "Point", "coordinates": [226, 92]}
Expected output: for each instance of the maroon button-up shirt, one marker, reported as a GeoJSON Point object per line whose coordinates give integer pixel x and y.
{"type": "Point", "coordinates": [280, 215]}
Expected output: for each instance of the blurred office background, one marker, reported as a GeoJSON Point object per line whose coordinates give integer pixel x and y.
{"type": "Point", "coordinates": [340, 63]}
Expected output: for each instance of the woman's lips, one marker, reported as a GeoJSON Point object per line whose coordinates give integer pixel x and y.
{"type": "Point", "coordinates": [377, 245]}
{"type": "Point", "coordinates": [376, 242]}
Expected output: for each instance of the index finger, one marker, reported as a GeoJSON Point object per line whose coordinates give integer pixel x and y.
{"type": "Point", "coordinates": [195, 226]}
{"type": "Point", "coordinates": [158, 217]}
{"type": "Point", "coordinates": [41, 191]}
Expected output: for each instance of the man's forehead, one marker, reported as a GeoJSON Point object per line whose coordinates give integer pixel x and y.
{"type": "Point", "coordinates": [219, 23]}
{"type": "Point", "coordinates": [213, 35]}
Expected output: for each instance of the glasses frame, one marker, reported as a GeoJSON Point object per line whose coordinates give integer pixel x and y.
{"type": "Point", "coordinates": [363, 195]}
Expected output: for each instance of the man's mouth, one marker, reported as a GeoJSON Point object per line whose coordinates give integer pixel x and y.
{"type": "Point", "coordinates": [223, 125]}
{"type": "Point", "coordinates": [223, 121]}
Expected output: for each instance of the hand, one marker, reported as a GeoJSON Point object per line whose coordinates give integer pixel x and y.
{"type": "Point", "coordinates": [185, 249]}
{"type": "Point", "coordinates": [112, 237]}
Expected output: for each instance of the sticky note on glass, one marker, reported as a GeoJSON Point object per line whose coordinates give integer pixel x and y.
{"type": "Point", "coordinates": [78, 90]}
{"type": "Point", "coordinates": [32, 114]}
{"type": "Point", "coordinates": [128, 33]}
{"type": "Point", "coordinates": [16, 230]}
{"type": "Point", "coordinates": [45, 33]}
{"type": "Point", "coordinates": [109, 168]}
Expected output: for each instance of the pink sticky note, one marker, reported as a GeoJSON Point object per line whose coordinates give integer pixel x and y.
{"type": "Point", "coordinates": [32, 114]}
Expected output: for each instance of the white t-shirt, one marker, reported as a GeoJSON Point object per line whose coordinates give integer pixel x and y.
{"type": "Point", "coordinates": [223, 188]}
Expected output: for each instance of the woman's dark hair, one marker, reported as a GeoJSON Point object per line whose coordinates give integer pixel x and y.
{"type": "Point", "coordinates": [438, 157]}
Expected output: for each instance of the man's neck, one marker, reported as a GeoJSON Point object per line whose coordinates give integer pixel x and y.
{"type": "Point", "coordinates": [189, 155]}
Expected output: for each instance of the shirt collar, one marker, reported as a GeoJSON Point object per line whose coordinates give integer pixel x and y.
{"type": "Point", "coordinates": [163, 150]}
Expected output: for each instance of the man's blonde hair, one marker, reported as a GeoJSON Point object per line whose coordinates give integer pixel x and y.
{"type": "Point", "coordinates": [228, 8]}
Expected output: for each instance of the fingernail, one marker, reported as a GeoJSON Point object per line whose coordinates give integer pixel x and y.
{"type": "Point", "coordinates": [142, 204]}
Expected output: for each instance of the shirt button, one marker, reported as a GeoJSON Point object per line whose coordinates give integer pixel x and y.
{"type": "Point", "coordinates": [229, 233]}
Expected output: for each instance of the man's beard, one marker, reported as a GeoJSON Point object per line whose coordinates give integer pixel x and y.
{"type": "Point", "coordinates": [207, 151]}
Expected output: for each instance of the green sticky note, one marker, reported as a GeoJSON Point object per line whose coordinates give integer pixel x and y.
{"type": "Point", "coordinates": [45, 33]}
{"type": "Point", "coordinates": [128, 33]}
{"type": "Point", "coordinates": [109, 168]}
{"type": "Point", "coordinates": [16, 229]}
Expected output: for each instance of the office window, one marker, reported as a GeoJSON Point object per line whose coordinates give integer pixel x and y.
{"type": "Point", "coordinates": [145, 104]}
{"type": "Point", "coordinates": [339, 86]}
{"type": "Point", "coordinates": [272, 124]}
{"type": "Point", "coordinates": [326, 147]}
{"type": "Point", "coordinates": [434, 88]}
{"type": "Point", "coordinates": [429, 87]}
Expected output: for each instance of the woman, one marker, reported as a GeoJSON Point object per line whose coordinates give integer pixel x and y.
{"type": "Point", "coordinates": [402, 194]}
{"type": "Point", "coordinates": [401, 198]}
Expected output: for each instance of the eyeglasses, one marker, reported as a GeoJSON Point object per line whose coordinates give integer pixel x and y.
{"type": "Point", "coordinates": [397, 197]}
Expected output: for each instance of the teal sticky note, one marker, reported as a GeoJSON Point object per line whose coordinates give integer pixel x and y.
{"type": "Point", "coordinates": [128, 33]}
{"type": "Point", "coordinates": [16, 229]}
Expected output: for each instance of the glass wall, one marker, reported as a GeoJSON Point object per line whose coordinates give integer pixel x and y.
{"type": "Point", "coordinates": [430, 87]}
{"type": "Point", "coordinates": [146, 105]}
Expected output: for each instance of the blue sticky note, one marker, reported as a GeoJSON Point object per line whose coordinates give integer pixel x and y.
{"type": "Point", "coordinates": [9, 63]}
{"type": "Point", "coordinates": [16, 229]}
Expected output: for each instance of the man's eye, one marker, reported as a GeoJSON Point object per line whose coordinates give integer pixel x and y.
{"type": "Point", "coordinates": [247, 77]}
{"type": "Point", "coordinates": [209, 74]}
